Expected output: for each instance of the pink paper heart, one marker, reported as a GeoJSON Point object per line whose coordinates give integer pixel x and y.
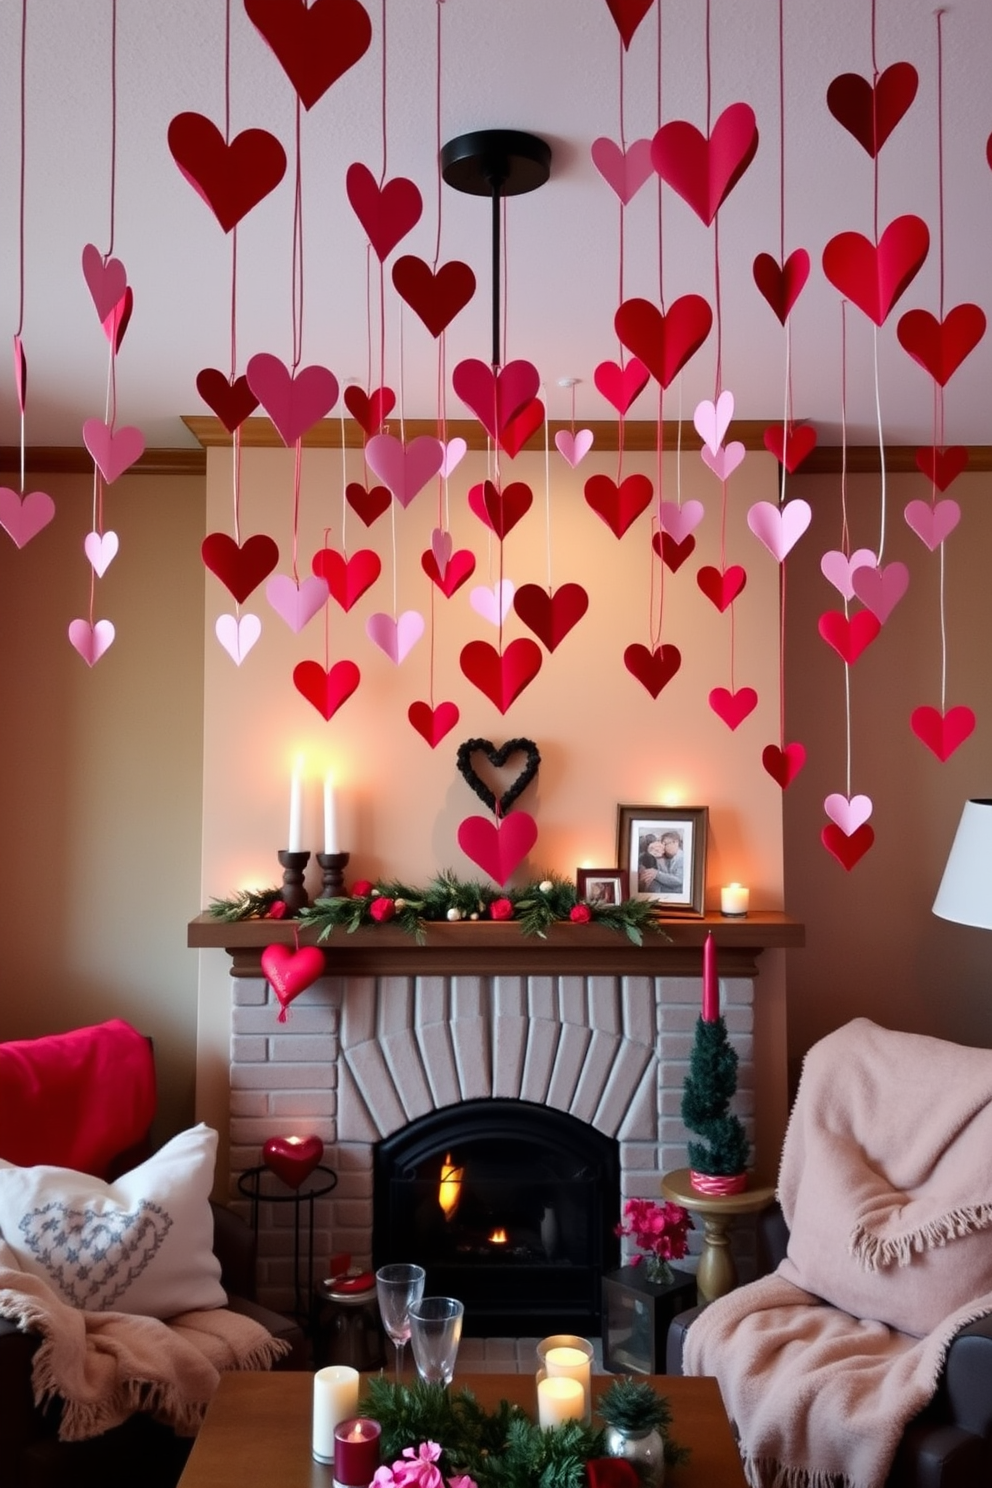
{"type": "Point", "coordinates": [23, 518]}
{"type": "Point", "coordinates": [725, 461]}
{"type": "Point", "coordinates": [404, 468]}
{"type": "Point", "coordinates": [113, 450]}
{"type": "Point", "coordinates": [779, 528]}
{"type": "Point", "coordinates": [101, 550]}
{"type": "Point", "coordinates": [296, 603]}
{"type": "Point", "coordinates": [733, 707]}
{"type": "Point", "coordinates": [881, 589]}
{"type": "Point", "coordinates": [293, 401]}
{"type": "Point", "coordinates": [91, 641]}
{"type": "Point", "coordinates": [498, 848]}
{"type": "Point", "coordinates": [712, 420]}
{"type": "Point", "coordinates": [625, 173]}
{"type": "Point", "coordinates": [495, 400]}
{"type": "Point", "coordinates": [106, 282]}
{"type": "Point", "coordinates": [493, 604]}
{"type": "Point", "coordinates": [849, 815]}
{"type": "Point", "coordinates": [943, 733]}
{"type": "Point", "coordinates": [839, 569]}
{"type": "Point", "coordinates": [454, 454]}
{"type": "Point", "coordinates": [573, 448]}
{"type": "Point", "coordinates": [680, 521]}
{"type": "Point", "coordinates": [933, 523]}
{"type": "Point", "coordinates": [237, 636]}
{"type": "Point", "coordinates": [20, 373]}
{"type": "Point", "coordinates": [441, 547]}
{"type": "Point", "coordinates": [396, 638]}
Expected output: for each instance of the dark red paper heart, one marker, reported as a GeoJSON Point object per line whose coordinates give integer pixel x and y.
{"type": "Point", "coordinates": [293, 1158]}
{"type": "Point", "coordinates": [733, 707]}
{"type": "Point", "coordinates": [435, 297]}
{"type": "Point", "coordinates": [792, 450]}
{"type": "Point", "coordinates": [942, 733]}
{"type": "Point", "coordinates": [705, 170]}
{"type": "Point", "coordinates": [326, 690]}
{"type": "Point", "coordinates": [387, 214]}
{"type": "Point", "coordinates": [874, 277]}
{"type": "Point", "coordinates": [458, 570]}
{"type": "Point", "coordinates": [722, 586]}
{"type": "Point", "coordinates": [673, 554]}
{"type": "Point", "coordinates": [500, 510]}
{"type": "Point", "coordinates": [433, 724]}
{"type": "Point", "coordinates": [628, 15]}
{"type": "Point", "coordinates": [347, 578]}
{"type": "Point", "coordinates": [621, 385]}
{"type": "Point", "coordinates": [291, 972]}
{"type": "Point", "coordinates": [232, 402]}
{"type": "Point", "coordinates": [232, 178]}
{"type": "Point", "coordinates": [940, 346]}
{"type": "Point", "coordinates": [519, 428]}
{"type": "Point", "coordinates": [847, 850]}
{"type": "Point", "coordinates": [942, 464]}
{"type": "Point", "coordinates": [551, 615]}
{"type": "Point", "coordinates": [653, 669]}
{"type": "Point", "coordinates": [240, 569]}
{"type": "Point", "coordinates": [848, 637]}
{"type": "Point", "coordinates": [369, 409]}
{"type": "Point", "coordinates": [618, 505]}
{"type": "Point", "coordinates": [783, 765]}
{"type": "Point", "coordinates": [369, 504]}
{"type": "Point", "coordinates": [315, 45]}
{"type": "Point", "coordinates": [502, 677]}
{"type": "Point", "coordinates": [664, 343]}
{"type": "Point", "coordinates": [781, 284]}
{"type": "Point", "coordinates": [871, 114]}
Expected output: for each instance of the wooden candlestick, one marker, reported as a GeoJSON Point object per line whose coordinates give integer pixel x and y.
{"type": "Point", "coordinates": [294, 895]}
{"type": "Point", "coordinates": [333, 865]}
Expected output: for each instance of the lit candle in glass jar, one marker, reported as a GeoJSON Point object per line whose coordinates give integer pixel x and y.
{"type": "Point", "coordinates": [356, 1452]}
{"type": "Point", "coordinates": [734, 899]}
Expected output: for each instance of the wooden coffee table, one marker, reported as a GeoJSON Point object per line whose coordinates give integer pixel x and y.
{"type": "Point", "coordinates": [257, 1430]}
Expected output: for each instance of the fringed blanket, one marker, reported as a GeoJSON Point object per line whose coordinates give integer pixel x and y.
{"type": "Point", "coordinates": [104, 1366]}
{"type": "Point", "coordinates": [886, 1185]}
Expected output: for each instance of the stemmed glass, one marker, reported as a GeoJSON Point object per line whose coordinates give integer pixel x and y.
{"type": "Point", "coordinates": [398, 1287]}
{"type": "Point", "coordinates": [436, 1330]}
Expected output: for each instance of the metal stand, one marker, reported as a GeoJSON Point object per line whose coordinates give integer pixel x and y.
{"type": "Point", "coordinates": [261, 1185]}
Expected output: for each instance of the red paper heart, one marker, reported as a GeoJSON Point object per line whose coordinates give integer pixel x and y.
{"type": "Point", "coordinates": [347, 578]}
{"type": "Point", "coordinates": [502, 677]}
{"type": "Point", "coordinates": [781, 285]}
{"type": "Point", "coordinates": [783, 765]}
{"type": "Point", "coordinates": [848, 637]}
{"type": "Point", "coordinates": [551, 615]}
{"type": "Point", "coordinates": [942, 732]}
{"type": "Point", "coordinates": [705, 170]}
{"type": "Point", "coordinates": [495, 399]}
{"type": "Point", "coordinates": [292, 1158]}
{"type": "Point", "coordinates": [521, 426]}
{"type": "Point", "coordinates": [369, 504]}
{"type": "Point", "coordinates": [941, 466]}
{"type": "Point", "coordinates": [387, 214]}
{"type": "Point", "coordinates": [500, 510]}
{"type": "Point", "coordinates": [232, 402]}
{"type": "Point", "coordinates": [621, 385]}
{"type": "Point", "coordinates": [871, 114]}
{"type": "Point", "coordinates": [794, 448]}
{"type": "Point", "coordinates": [722, 586]}
{"type": "Point", "coordinates": [458, 570]}
{"type": "Point", "coordinates": [369, 409]}
{"type": "Point", "coordinates": [435, 297]}
{"type": "Point", "coordinates": [628, 15]}
{"type": "Point", "coordinates": [498, 848]}
{"type": "Point", "coordinates": [733, 707]}
{"type": "Point", "coordinates": [315, 45]}
{"type": "Point", "coordinates": [232, 178]}
{"type": "Point", "coordinates": [940, 346]}
{"type": "Point", "coordinates": [653, 669]}
{"type": "Point", "coordinates": [673, 554]}
{"type": "Point", "coordinates": [20, 373]}
{"type": "Point", "coordinates": [847, 850]}
{"type": "Point", "coordinates": [433, 723]}
{"type": "Point", "coordinates": [326, 690]}
{"type": "Point", "coordinates": [664, 343]}
{"type": "Point", "coordinates": [874, 277]}
{"type": "Point", "coordinates": [618, 505]}
{"type": "Point", "coordinates": [291, 972]}
{"type": "Point", "coordinates": [119, 319]}
{"type": "Point", "coordinates": [242, 568]}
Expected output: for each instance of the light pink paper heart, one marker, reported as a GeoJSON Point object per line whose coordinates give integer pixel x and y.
{"type": "Point", "coordinates": [680, 521]}
{"type": "Point", "coordinates": [725, 461]}
{"type": "Point", "coordinates": [779, 528]}
{"type": "Point", "coordinates": [498, 848]}
{"type": "Point", "coordinates": [296, 603]}
{"type": "Point", "coordinates": [712, 420]}
{"type": "Point", "coordinates": [441, 547]}
{"type": "Point", "coordinates": [404, 468]}
{"type": "Point", "coordinates": [237, 636]}
{"type": "Point", "coordinates": [293, 401]}
{"type": "Point", "coordinates": [849, 815]}
{"type": "Point", "coordinates": [933, 523]}
{"type": "Point", "coordinates": [106, 282]}
{"type": "Point", "coordinates": [881, 589]}
{"type": "Point", "coordinates": [493, 604]}
{"type": "Point", "coordinates": [454, 454]}
{"type": "Point", "coordinates": [101, 550]}
{"type": "Point", "coordinates": [114, 450]}
{"type": "Point", "coordinates": [625, 173]}
{"type": "Point", "coordinates": [91, 641]}
{"type": "Point", "coordinates": [839, 570]}
{"type": "Point", "coordinates": [23, 519]}
{"type": "Point", "coordinates": [396, 638]}
{"type": "Point", "coordinates": [574, 447]}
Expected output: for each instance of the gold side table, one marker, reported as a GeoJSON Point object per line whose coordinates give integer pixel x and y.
{"type": "Point", "coordinates": [717, 1273]}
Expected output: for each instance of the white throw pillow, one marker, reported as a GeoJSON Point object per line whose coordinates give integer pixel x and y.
{"type": "Point", "coordinates": [143, 1244]}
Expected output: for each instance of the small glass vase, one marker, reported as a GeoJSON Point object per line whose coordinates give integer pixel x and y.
{"type": "Point", "coordinates": [644, 1450]}
{"type": "Point", "coordinates": [658, 1270]}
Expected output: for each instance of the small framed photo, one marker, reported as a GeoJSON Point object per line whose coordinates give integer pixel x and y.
{"type": "Point", "coordinates": [602, 885]}
{"type": "Point", "coordinates": [663, 850]}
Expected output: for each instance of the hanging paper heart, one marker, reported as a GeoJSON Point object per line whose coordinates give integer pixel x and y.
{"type": "Point", "coordinates": [498, 848]}
{"type": "Point", "coordinates": [941, 466]}
{"type": "Point", "coordinates": [871, 113]}
{"type": "Point", "coordinates": [315, 44]}
{"type": "Point", "coordinates": [932, 523]}
{"type": "Point", "coordinates": [847, 850]}
{"type": "Point", "coordinates": [237, 636]}
{"type": "Point", "coordinates": [624, 171]}
{"type": "Point", "coordinates": [673, 554]}
{"type": "Point", "coordinates": [91, 641]}
{"type": "Point", "coordinates": [520, 428]}
{"type": "Point", "coordinates": [387, 213]}
{"type": "Point", "coordinates": [679, 520]}
{"type": "Point", "coordinates": [839, 569]}
{"type": "Point", "coordinates": [347, 579]}
{"type": "Point", "coordinates": [848, 813]}
{"type": "Point", "coordinates": [230, 178]}
{"type": "Point", "coordinates": [621, 385]}
{"type": "Point", "coordinates": [433, 724]}
{"type": "Point", "coordinates": [874, 277]}
{"type": "Point", "coordinates": [733, 707]}
{"type": "Point", "coordinates": [881, 589]}
{"type": "Point", "coordinates": [618, 505]}
{"type": "Point", "coordinates": [664, 343]}
{"type": "Point", "coordinates": [783, 764]}
{"type": "Point", "coordinates": [848, 637]}
{"type": "Point", "coordinates": [113, 450]}
{"type": "Point", "coordinates": [232, 402]}
{"type": "Point", "coordinates": [240, 569]}
{"type": "Point", "coordinates": [369, 409]}
{"type": "Point", "coordinates": [404, 468]}
{"type": "Point", "coordinates": [726, 459]}
{"type": "Point", "coordinates": [722, 587]}
{"type": "Point", "coordinates": [23, 519]}
{"type": "Point", "coordinates": [940, 346]}
{"type": "Point", "coordinates": [101, 549]}
{"type": "Point", "coordinates": [705, 170]}
{"type": "Point", "coordinates": [493, 604]}
{"type": "Point", "coordinates": [289, 973]}
{"type": "Point", "coordinates": [396, 638]}
{"type": "Point", "coordinates": [20, 373]}
{"type": "Point", "coordinates": [294, 401]}
{"type": "Point", "coordinates": [712, 420]}
{"type": "Point", "coordinates": [943, 733]}
{"type": "Point", "coordinates": [436, 296]}
{"type": "Point", "coordinates": [326, 690]}
{"type": "Point", "coordinates": [369, 504]}
{"type": "Point", "coordinates": [442, 546]}
{"type": "Point", "coordinates": [653, 669]}
{"type": "Point", "coordinates": [500, 510]}
{"type": "Point", "coordinates": [106, 282]}
{"type": "Point", "coordinates": [573, 448]}
{"type": "Point", "coordinates": [295, 602]}
{"type": "Point", "coordinates": [781, 284]}
{"type": "Point", "coordinates": [628, 15]}
{"type": "Point", "coordinates": [496, 399]}
{"type": "Point", "coordinates": [454, 453]}
{"type": "Point", "coordinates": [119, 319]}
{"type": "Point", "coordinates": [458, 569]}
{"type": "Point", "coordinates": [779, 527]}
{"type": "Point", "coordinates": [501, 676]}
{"type": "Point", "coordinates": [792, 447]}
{"type": "Point", "coordinates": [292, 1158]}
{"type": "Point", "coordinates": [498, 758]}
{"type": "Point", "coordinates": [551, 614]}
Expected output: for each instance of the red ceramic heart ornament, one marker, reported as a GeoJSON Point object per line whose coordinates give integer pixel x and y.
{"type": "Point", "coordinates": [290, 972]}
{"type": "Point", "coordinates": [292, 1158]}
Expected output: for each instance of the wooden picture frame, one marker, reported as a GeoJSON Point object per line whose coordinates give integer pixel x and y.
{"type": "Point", "coordinates": [663, 850]}
{"type": "Point", "coordinates": [602, 885]}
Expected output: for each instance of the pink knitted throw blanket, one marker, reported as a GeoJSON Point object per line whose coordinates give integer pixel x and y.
{"type": "Point", "coordinates": [886, 1185]}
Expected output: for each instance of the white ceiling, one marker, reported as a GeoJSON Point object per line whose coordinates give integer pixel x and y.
{"type": "Point", "coordinates": [548, 66]}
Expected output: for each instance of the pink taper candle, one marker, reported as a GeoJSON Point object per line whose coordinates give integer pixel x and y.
{"type": "Point", "coordinates": [711, 986]}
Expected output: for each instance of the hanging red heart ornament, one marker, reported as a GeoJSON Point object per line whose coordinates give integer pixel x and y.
{"type": "Point", "coordinates": [653, 669]}
{"type": "Point", "coordinates": [117, 322]}
{"type": "Point", "coordinates": [436, 296]}
{"type": "Point", "coordinates": [847, 850]}
{"type": "Point", "coordinates": [621, 385]}
{"type": "Point", "coordinates": [347, 578]}
{"type": "Point", "coordinates": [369, 504]}
{"type": "Point", "coordinates": [232, 402]}
{"type": "Point", "coordinates": [705, 170]}
{"type": "Point", "coordinates": [871, 113]}
{"type": "Point", "coordinates": [673, 554]}
{"type": "Point", "coordinates": [792, 448]}
{"type": "Point", "coordinates": [500, 510]}
{"type": "Point", "coordinates": [874, 277]}
{"type": "Point", "coordinates": [733, 707]}
{"type": "Point", "coordinates": [551, 614]}
{"type": "Point", "coordinates": [495, 399]}
{"type": "Point", "coordinates": [942, 733]}
{"type": "Point", "coordinates": [664, 343]}
{"type": "Point", "coordinates": [457, 571]}
{"type": "Point", "coordinates": [231, 178]}
{"type": "Point", "coordinates": [618, 505]}
{"type": "Point", "coordinates": [369, 409]}
{"type": "Point", "coordinates": [940, 346]}
{"type": "Point", "coordinates": [722, 586]}
{"type": "Point", "coordinates": [502, 676]}
{"type": "Point", "coordinates": [498, 848]}
{"type": "Point", "coordinates": [942, 465]}
{"type": "Point", "coordinates": [326, 690]}
{"type": "Point", "coordinates": [289, 972]}
{"type": "Point", "coordinates": [849, 637]}
{"type": "Point", "coordinates": [628, 15]}
{"type": "Point", "coordinates": [783, 764]}
{"type": "Point", "coordinates": [292, 1159]}
{"type": "Point", "coordinates": [315, 44]}
{"type": "Point", "coordinates": [520, 428]}
{"type": "Point", "coordinates": [387, 213]}
{"type": "Point", "coordinates": [239, 568]}
{"type": "Point", "coordinates": [782, 284]}
{"type": "Point", "coordinates": [433, 724]}
{"type": "Point", "coordinates": [294, 401]}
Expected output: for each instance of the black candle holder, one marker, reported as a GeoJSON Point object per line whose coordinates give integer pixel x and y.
{"type": "Point", "coordinates": [333, 865]}
{"type": "Point", "coordinates": [294, 895]}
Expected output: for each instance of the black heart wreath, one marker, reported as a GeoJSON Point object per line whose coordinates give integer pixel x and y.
{"type": "Point", "coordinates": [497, 758]}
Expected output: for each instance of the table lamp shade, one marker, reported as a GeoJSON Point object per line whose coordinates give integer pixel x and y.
{"type": "Point", "coordinates": [965, 892]}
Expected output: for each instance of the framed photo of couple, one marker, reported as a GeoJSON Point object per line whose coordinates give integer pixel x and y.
{"type": "Point", "coordinates": [663, 851]}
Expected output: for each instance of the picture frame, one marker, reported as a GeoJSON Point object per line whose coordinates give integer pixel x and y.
{"type": "Point", "coordinates": [602, 885]}
{"type": "Point", "coordinates": [663, 851]}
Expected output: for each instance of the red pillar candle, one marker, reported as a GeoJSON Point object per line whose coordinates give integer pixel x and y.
{"type": "Point", "coordinates": [356, 1452]}
{"type": "Point", "coordinates": [711, 985]}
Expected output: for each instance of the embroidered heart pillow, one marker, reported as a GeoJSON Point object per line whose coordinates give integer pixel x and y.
{"type": "Point", "coordinates": [142, 1245]}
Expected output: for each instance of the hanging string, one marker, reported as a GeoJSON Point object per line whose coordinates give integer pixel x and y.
{"type": "Point", "coordinates": [874, 121]}
{"type": "Point", "coordinates": [661, 277]}
{"type": "Point", "coordinates": [297, 271]}
{"type": "Point", "coordinates": [940, 163]}
{"type": "Point", "coordinates": [344, 484]}
{"type": "Point", "coordinates": [881, 444]}
{"type": "Point", "coordinates": [845, 533]}
{"type": "Point", "coordinates": [327, 611]}
{"type": "Point", "coordinates": [547, 479]}
{"type": "Point", "coordinates": [113, 125]}
{"type": "Point", "coordinates": [23, 171]}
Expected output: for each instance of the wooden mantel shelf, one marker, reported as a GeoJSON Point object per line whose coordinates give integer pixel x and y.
{"type": "Point", "coordinates": [486, 949]}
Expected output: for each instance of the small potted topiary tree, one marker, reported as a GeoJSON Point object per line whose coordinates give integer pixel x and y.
{"type": "Point", "coordinates": [718, 1162]}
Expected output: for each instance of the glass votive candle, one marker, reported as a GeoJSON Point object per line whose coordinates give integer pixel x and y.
{"type": "Point", "coordinates": [559, 1399]}
{"type": "Point", "coordinates": [566, 1356]}
{"type": "Point", "coordinates": [335, 1398]}
{"type": "Point", "coordinates": [734, 899]}
{"type": "Point", "coordinates": [356, 1452]}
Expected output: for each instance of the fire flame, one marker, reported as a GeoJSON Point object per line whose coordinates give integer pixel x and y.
{"type": "Point", "coordinates": [498, 1237]}
{"type": "Point", "coordinates": [450, 1191]}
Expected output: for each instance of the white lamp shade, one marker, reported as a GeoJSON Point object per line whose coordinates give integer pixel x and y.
{"type": "Point", "coordinates": [965, 892]}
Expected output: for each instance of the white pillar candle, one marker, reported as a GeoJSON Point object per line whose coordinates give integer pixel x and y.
{"type": "Point", "coordinates": [734, 899]}
{"type": "Point", "coordinates": [295, 843]}
{"type": "Point", "coordinates": [564, 1362]}
{"type": "Point", "coordinates": [335, 1399]}
{"type": "Point", "coordinates": [330, 817]}
{"type": "Point", "coordinates": [560, 1399]}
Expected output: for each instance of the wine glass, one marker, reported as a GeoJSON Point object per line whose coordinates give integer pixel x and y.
{"type": "Point", "coordinates": [397, 1287]}
{"type": "Point", "coordinates": [435, 1331]}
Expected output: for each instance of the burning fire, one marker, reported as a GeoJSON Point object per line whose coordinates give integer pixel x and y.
{"type": "Point", "coordinates": [498, 1237]}
{"type": "Point", "coordinates": [450, 1190]}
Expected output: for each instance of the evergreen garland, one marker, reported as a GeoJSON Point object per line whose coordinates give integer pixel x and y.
{"type": "Point", "coordinates": [247, 904]}
{"type": "Point", "coordinates": [706, 1096]}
